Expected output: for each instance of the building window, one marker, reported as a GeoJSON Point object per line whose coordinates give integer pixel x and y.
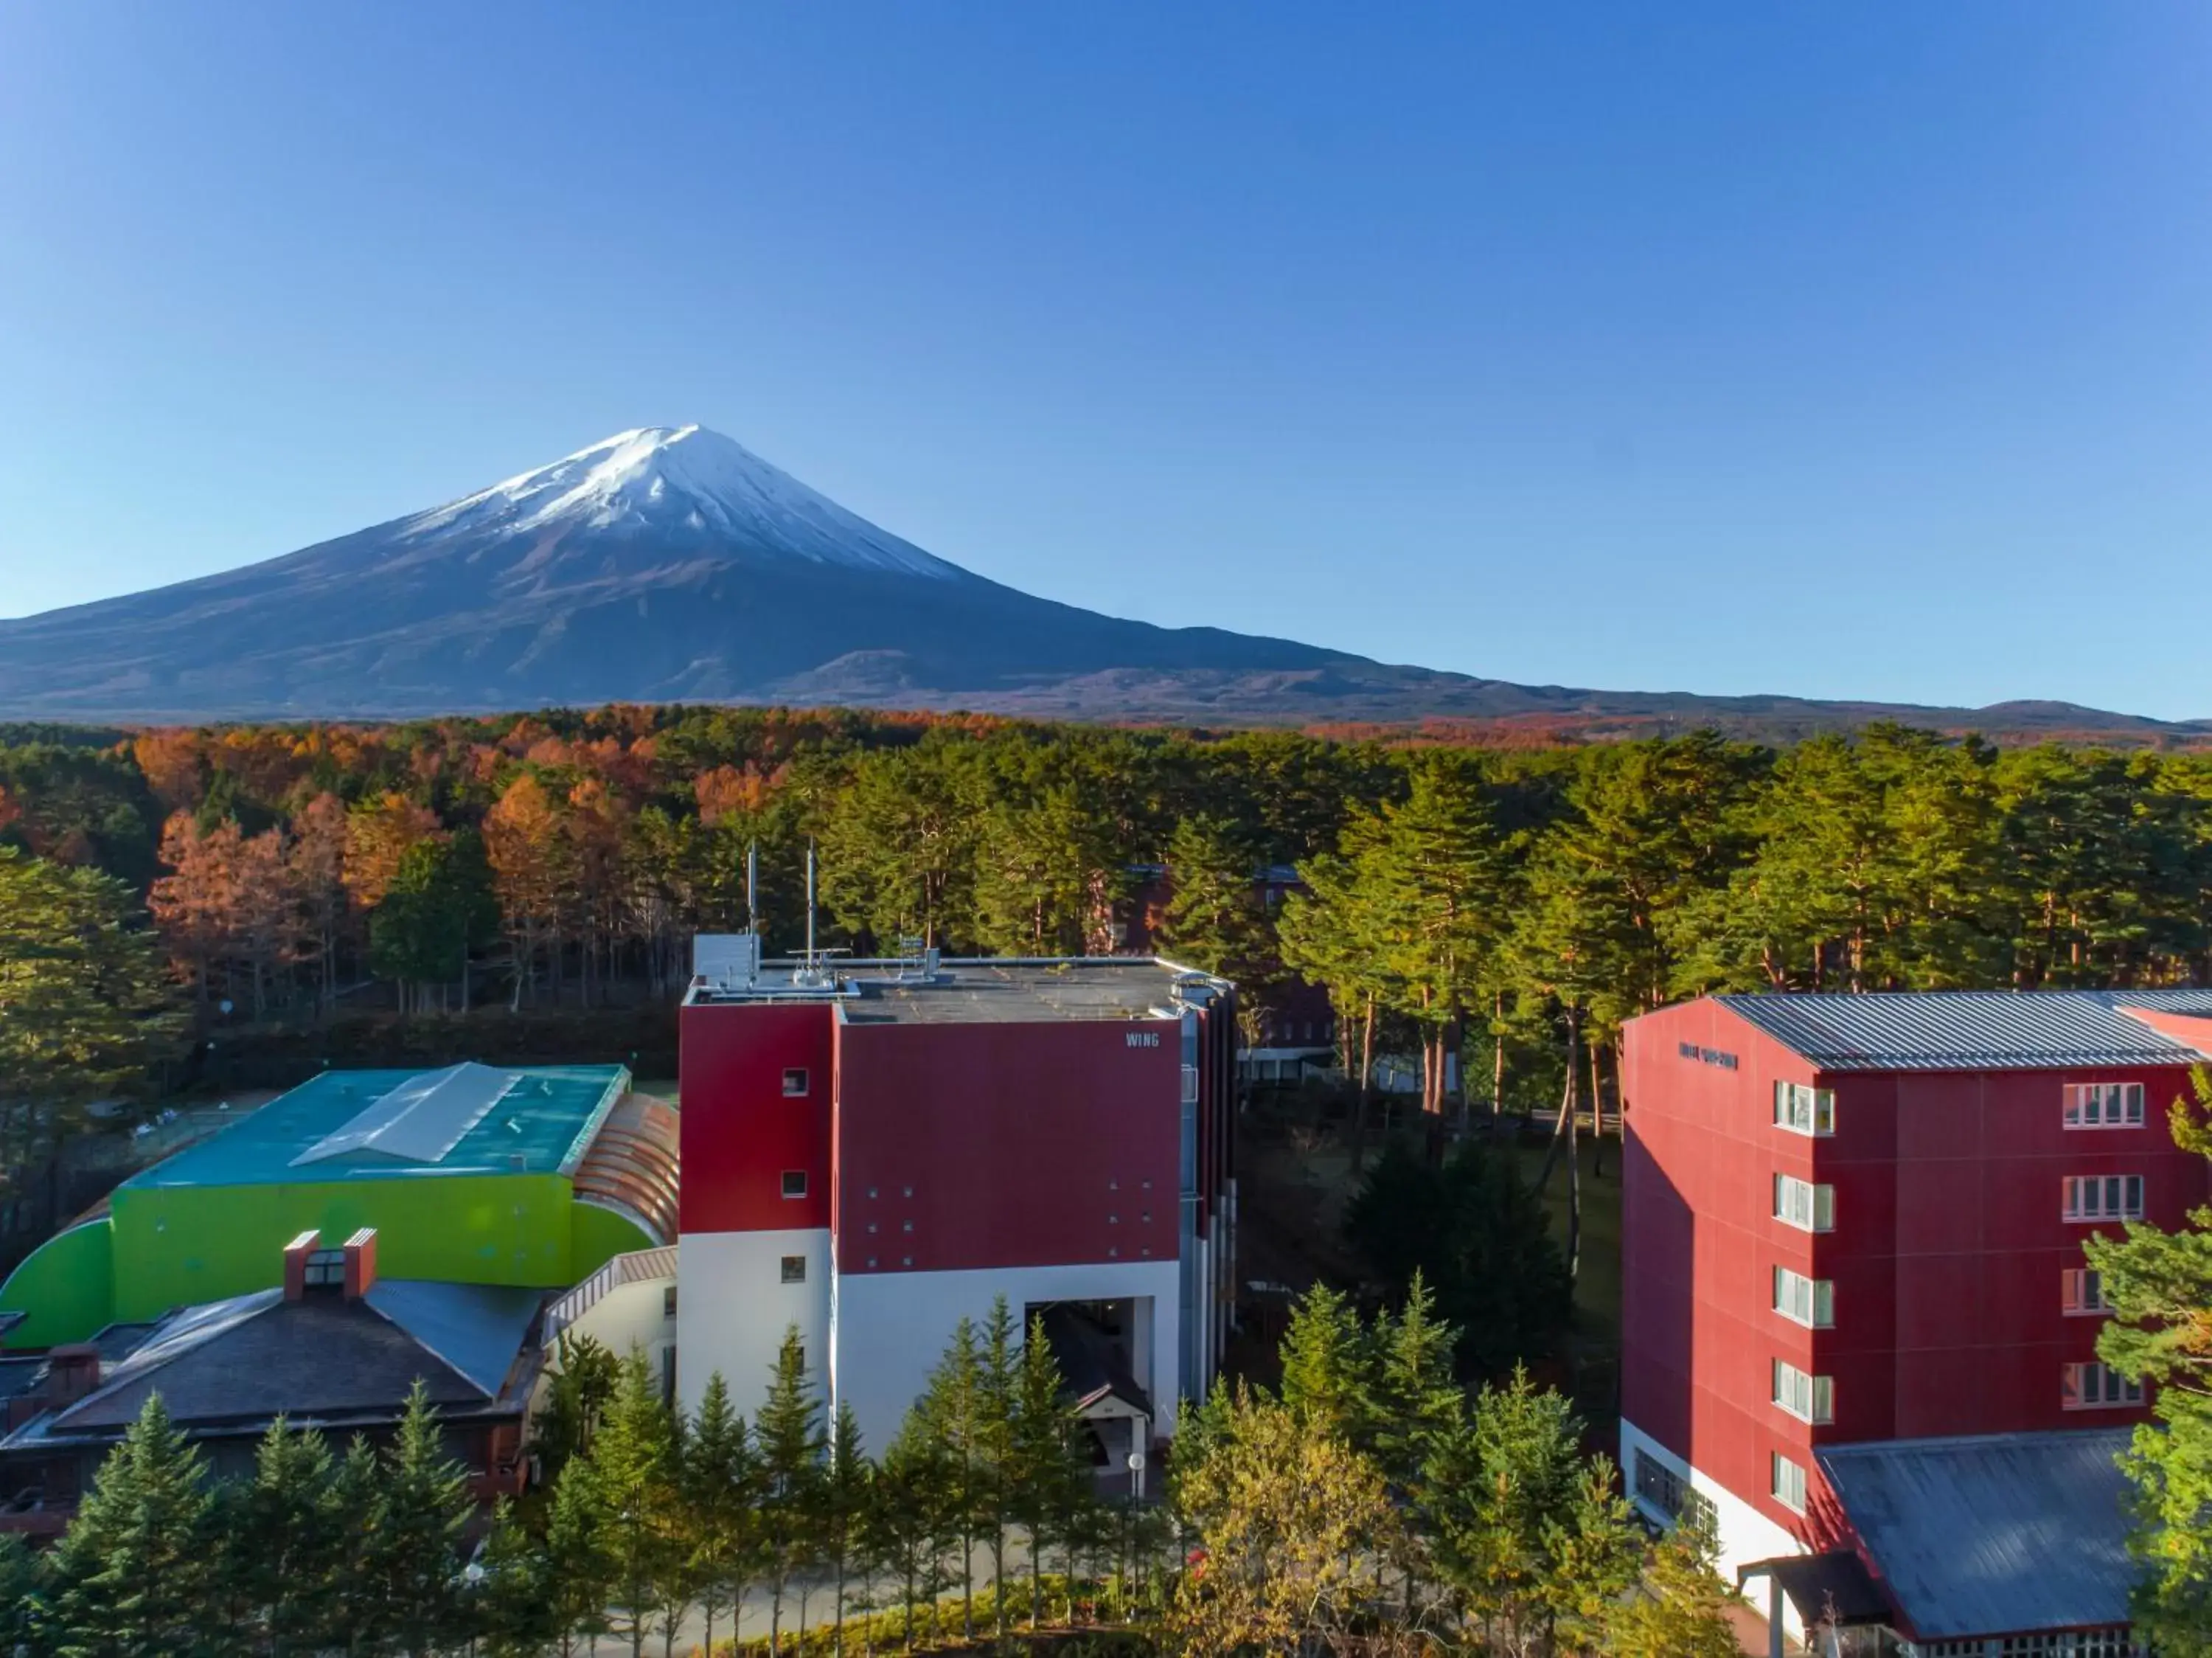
{"type": "Point", "coordinates": [1808, 1301]}
{"type": "Point", "coordinates": [794, 1269]}
{"type": "Point", "coordinates": [2085, 1291]}
{"type": "Point", "coordinates": [1788, 1487]}
{"type": "Point", "coordinates": [323, 1269]}
{"type": "Point", "coordinates": [1803, 1110]}
{"type": "Point", "coordinates": [1801, 1204]}
{"type": "Point", "coordinates": [2095, 1386]}
{"type": "Point", "coordinates": [668, 1302]}
{"type": "Point", "coordinates": [1666, 1491]}
{"type": "Point", "coordinates": [795, 1182]}
{"type": "Point", "coordinates": [2104, 1196]}
{"type": "Point", "coordinates": [794, 1082]}
{"type": "Point", "coordinates": [2103, 1104]}
{"type": "Point", "coordinates": [1809, 1398]}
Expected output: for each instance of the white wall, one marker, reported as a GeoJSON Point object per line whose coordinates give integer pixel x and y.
{"type": "Point", "coordinates": [893, 1328]}
{"type": "Point", "coordinates": [1745, 1534]}
{"type": "Point", "coordinates": [630, 1315]}
{"type": "Point", "coordinates": [733, 1308]}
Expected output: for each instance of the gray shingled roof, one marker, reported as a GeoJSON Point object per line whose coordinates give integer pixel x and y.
{"type": "Point", "coordinates": [1996, 1534]}
{"type": "Point", "coordinates": [321, 1359]}
{"type": "Point", "coordinates": [1973, 1030]}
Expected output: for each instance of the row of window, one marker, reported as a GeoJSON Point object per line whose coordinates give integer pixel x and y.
{"type": "Point", "coordinates": [2103, 1196]}
{"type": "Point", "coordinates": [2103, 1104]}
{"type": "Point", "coordinates": [1802, 1109]}
{"type": "Point", "coordinates": [1666, 1491]}
{"type": "Point", "coordinates": [2095, 1386]}
{"type": "Point", "coordinates": [1812, 1208]}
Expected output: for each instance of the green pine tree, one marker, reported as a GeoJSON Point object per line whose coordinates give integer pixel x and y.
{"type": "Point", "coordinates": [580, 1380]}
{"type": "Point", "coordinates": [1595, 1555]}
{"type": "Point", "coordinates": [513, 1610]}
{"type": "Point", "coordinates": [582, 1569]}
{"type": "Point", "coordinates": [1420, 1410]}
{"type": "Point", "coordinates": [1044, 1477]}
{"type": "Point", "coordinates": [415, 1546]}
{"type": "Point", "coordinates": [136, 1571]}
{"type": "Point", "coordinates": [1328, 1371]}
{"type": "Point", "coordinates": [1504, 1492]}
{"type": "Point", "coordinates": [86, 1008]}
{"type": "Point", "coordinates": [847, 1490]}
{"type": "Point", "coordinates": [2160, 1286]}
{"type": "Point", "coordinates": [633, 1463]}
{"type": "Point", "coordinates": [788, 1441]}
{"type": "Point", "coordinates": [954, 1411]}
{"type": "Point", "coordinates": [1683, 1612]}
{"type": "Point", "coordinates": [997, 1368]}
{"type": "Point", "coordinates": [721, 1494]}
{"type": "Point", "coordinates": [26, 1607]}
{"type": "Point", "coordinates": [287, 1538]}
{"type": "Point", "coordinates": [1481, 1242]}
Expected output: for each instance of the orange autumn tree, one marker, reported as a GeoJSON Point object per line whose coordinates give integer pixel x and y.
{"type": "Point", "coordinates": [533, 868]}
{"type": "Point", "coordinates": [318, 855]}
{"type": "Point", "coordinates": [228, 909]}
{"type": "Point", "coordinates": [378, 833]}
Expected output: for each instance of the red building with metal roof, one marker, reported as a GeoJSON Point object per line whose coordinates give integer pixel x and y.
{"type": "Point", "coordinates": [875, 1150]}
{"type": "Point", "coordinates": [1857, 1221]}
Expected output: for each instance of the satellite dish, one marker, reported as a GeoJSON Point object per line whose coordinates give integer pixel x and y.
{"type": "Point", "coordinates": [1136, 1462]}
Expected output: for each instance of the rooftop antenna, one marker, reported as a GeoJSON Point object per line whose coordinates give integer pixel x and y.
{"type": "Point", "coordinates": [752, 887]}
{"type": "Point", "coordinates": [810, 906]}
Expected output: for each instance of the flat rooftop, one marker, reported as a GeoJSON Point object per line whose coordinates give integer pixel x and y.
{"type": "Point", "coordinates": [980, 992]}
{"type": "Point", "coordinates": [338, 1126]}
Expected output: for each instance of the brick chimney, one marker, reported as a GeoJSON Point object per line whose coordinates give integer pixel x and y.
{"type": "Point", "coordinates": [360, 1263]}
{"type": "Point", "coordinates": [72, 1371]}
{"type": "Point", "coordinates": [296, 1263]}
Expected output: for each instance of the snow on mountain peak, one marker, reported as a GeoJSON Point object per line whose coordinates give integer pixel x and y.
{"type": "Point", "coordinates": [682, 479]}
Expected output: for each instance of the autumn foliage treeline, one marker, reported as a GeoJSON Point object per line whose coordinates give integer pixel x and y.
{"type": "Point", "coordinates": [1458, 896]}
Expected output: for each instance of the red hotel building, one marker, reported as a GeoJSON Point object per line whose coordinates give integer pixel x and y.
{"type": "Point", "coordinates": [872, 1151]}
{"type": "Point", "coordinates": [1854, 1288]}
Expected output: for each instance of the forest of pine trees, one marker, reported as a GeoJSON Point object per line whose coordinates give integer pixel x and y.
{"type": "Point", "coordinates": [1452, 892]}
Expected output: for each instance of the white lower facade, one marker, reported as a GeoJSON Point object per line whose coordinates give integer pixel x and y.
{"type": "Point", "coordinates": [891, 1329]}
{"type": "Point", "coordinates": [736, 1298]}
{"type": "Point", "coordinates": [1745, 1533]}
{"type": "Point", "coordinates": [872, 1339]}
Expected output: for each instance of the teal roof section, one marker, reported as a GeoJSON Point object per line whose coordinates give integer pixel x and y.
{"type": "Point", "coordinates": [542, 1124]}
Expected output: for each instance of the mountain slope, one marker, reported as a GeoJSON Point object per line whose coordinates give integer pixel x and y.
{"type": "Point", "coordinates": [671, 564]}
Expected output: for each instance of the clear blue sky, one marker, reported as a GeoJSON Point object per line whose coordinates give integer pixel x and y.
{"type": "Point", "coordinates": [1839, 349]}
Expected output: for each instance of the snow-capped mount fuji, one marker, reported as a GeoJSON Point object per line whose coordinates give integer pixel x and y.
{"type": "Point", "coordinates": [671, 487]}
{"type": "Point", "coordinates": [670, 564]}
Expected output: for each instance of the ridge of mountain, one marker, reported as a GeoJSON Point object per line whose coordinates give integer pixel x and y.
{"type": "Point", "coordinates": [671, 564]}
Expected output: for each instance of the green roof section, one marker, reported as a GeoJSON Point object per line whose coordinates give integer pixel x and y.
{"type": "Point", "coordinates": [528, 1119]}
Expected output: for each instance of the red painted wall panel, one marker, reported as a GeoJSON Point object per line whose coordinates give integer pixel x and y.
{"type": "Point", "coordinates": [740, 1130]}
{"type": "Point", "coordinates": [973, 1145]}
{"type": "Point", "coordinates": [1947, 1256]}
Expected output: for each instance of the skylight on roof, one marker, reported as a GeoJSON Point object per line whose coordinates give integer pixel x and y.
{"type": "Point", "coordinates": [422, 1120]}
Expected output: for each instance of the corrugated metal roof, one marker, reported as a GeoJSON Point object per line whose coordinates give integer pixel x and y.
{"type": "Point", "coordinates": [1996, 1534]}
{"type": "Point", "coordinates": [1972, 1030]}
